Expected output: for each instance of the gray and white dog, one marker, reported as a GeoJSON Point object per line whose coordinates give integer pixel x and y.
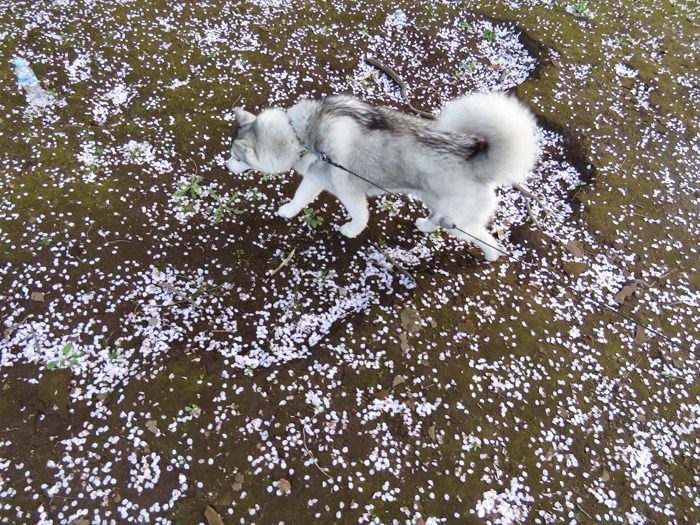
{"type": "Point", "coordinates": [453, 164]}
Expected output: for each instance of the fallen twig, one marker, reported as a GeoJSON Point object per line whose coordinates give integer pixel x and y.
{"type": "Point", "coordinates": [177, 292]}
{"type": "Point", "coordinates": [402, 85]}
{"type": "Point", "coordinates": [311, 454]}
{"type": "Point", "coordinates": [522, 189]}
{"type": "Point", "coordinates": [284, 262]}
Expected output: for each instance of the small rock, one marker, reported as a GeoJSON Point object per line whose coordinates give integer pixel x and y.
{"type": "Point", "coordinates": [37, 296]}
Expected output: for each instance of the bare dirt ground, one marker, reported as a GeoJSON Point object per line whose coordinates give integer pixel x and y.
{"type": "Point", "coordinates": [174, 352]}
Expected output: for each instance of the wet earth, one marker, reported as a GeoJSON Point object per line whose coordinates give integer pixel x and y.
{"type": "Point", "coordinates": [172, 351]}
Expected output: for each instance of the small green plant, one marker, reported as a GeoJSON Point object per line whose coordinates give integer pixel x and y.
{"type": "Point", "coordinates": [324, 274]}
{"type": "Point", "coordinates": [273, 176]}
{"type": "Point", "coordinates": [381, 242]}
{"type": "Point", "coordinates": [225, 206]}
{"type": "Point", "coordinates": [312, 217]}
{"type": "Point", "coordinates": [46, 241]}
{"type": "Point", "coordinates": [138, 150]}
{"type": "Point", "coordinates": [363, 31]}
{"type": "Point", "coordinates": [621, 40]}
{"type": "Point", "coordinates": [190, 191]}
{"type": "Point", "coordinates": [253, 195]}
{"type": "Point", "coordinates": [489, 35]}
{"type": "Point", "coordinates": [193, 410]}
{"type": "Point", "coordinates": [389, 206]}
{"type": "Point", "coordinates": [69, 359]}
{"type": "Point", "coordinates": [464, 66]}
{"type": "Point", "coordinates": [467, 26]}
{"type": "Point", "coordinates": [190, 188]}
{"type": "Point", "coordinates": [581, 8]}
{"type": "Point", "coordinates": [474, 444]}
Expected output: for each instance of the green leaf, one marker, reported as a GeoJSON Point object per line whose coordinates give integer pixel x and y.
{"type": "Point", "coordinates": [66, 349]}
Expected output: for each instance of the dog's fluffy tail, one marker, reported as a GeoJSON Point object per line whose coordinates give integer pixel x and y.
{"type": "Point", "coordinates": [508, 127]}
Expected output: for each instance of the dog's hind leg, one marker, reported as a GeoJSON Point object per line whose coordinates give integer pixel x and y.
{"type": "Point", "coordinates": [479, 236]}
{"type": "Point", "coordinates": [470, 214]}
{"type": "Point", "coordinates": [356, 204]}
{"type": "Point", "coordinates": [307, 191]}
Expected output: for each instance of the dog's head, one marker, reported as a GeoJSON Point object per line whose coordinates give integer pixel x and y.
{"type": "Point", "coordinates": [264, 143]}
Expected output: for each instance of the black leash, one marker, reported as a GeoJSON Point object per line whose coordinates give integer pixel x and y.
{"type": "Point", "coordinates": [448, 224]}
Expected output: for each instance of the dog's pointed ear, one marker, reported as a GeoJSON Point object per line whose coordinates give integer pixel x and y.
{"type": "Point", "coordinates": [243, 117]}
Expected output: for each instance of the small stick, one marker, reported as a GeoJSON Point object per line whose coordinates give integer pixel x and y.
{"type": "Point", "coordinates": [284, 263]}
{"type": "Point", "coordinates": [528, 193]}
{"type": "Point", "coordinates": [177, 292]}
{"type": "Point", "coordinates": [399, 81]}
{"type": "Point", "coordinates": [311, 454]}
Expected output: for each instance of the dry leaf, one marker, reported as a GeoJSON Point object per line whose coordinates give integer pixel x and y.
{"type": "Point", "coordinates": [284, 485]}
{"type": "Point", "coordinates": [432, 433]}
{"type": "Point", "coordinates": [574, 248]}
{"type": "Point", "coordinates": [398, 380]}
{"type": "Point", "coordinates": [213, 517]}
{"type": "Point", "coordinates": [153, 427]}
{"type": "Point", "coordinates": [626, 292]}
{"type": "Point", "coordinates": [238, 482]}
{"type": "Point", "coordinates": [641, 336]}
{"type": "Point", "coordinates": [403, 338]}
{"type": "Point", "coordinates": [410, 320]}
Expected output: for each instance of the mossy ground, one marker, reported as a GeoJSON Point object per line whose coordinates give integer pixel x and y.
{"type": "Point", "coordinates": [213, 441]}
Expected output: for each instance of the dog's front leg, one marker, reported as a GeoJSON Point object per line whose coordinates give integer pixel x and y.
{"type": "Point", "coordinates": [356, 204]}
{"type": "Point", "coordinates": [307, 191]}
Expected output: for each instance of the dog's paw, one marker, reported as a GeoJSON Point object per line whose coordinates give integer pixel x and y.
{"type": "Point", "coordinates": [287, 211]}
{"type": "Point", "coordinates": [491, 255]}
{"type": "Point", "coordinates": [351, 230]}
{"type": "Point", "coordinates": [426, 225]}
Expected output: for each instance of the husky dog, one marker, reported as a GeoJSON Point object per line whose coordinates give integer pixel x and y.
{"type": "Point", "coordinates": [453, 164]}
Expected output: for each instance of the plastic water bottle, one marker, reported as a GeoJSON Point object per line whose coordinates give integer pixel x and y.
{"type": "Point", "coordinates": [36, 95]}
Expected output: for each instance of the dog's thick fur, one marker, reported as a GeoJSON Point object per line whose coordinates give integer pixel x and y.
{"type": "Point", "coordinates": [453, 164]}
